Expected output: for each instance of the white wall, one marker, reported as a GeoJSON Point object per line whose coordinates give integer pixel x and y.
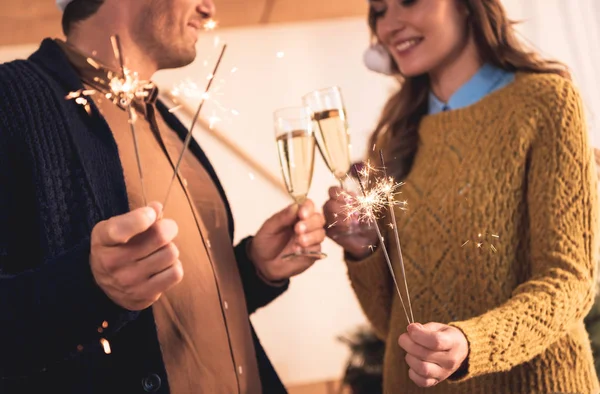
{"type": "Point", "coordinates": [299, 329]}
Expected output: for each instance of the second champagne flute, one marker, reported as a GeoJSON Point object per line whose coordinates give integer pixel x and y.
{"type": "Point", "coordinates": [296, 149]}
{"type": "Point", "coordinates": [333, 139]}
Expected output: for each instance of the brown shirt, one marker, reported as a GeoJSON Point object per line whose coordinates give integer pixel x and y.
{"type": "Point", "coordinates": [202, 323]}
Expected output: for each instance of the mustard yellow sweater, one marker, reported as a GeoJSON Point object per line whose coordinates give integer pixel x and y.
{"type": "Point", "coordinates": [499, 240]}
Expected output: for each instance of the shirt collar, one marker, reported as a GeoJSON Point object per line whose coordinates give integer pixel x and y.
{"type": "Point", "coordinates": [98, 76]}
{"type": "Point", "coordinates": [487, 79]}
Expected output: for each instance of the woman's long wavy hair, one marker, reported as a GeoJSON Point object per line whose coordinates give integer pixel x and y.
{"type": "Point", "coordinates": [497, 43]}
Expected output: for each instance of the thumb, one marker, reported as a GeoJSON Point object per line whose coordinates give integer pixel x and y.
{"type": "Point", "coordinates": [282, 219]}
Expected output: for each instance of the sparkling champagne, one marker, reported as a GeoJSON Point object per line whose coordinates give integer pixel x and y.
{"type": "Point", "coordinates": [296, 155]}
{"type": "Point", "coordinates": [333, 139]}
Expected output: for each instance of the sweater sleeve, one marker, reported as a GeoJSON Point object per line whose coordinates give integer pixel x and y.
{"type": "Point", "coordinates": [372, 284]}
{"type": "Point", "coordinates": [258, 292]}
{"type": "Point", "coordinates": [562, 208]}
{"type": "Point", "coordinates": [50, 310]}
{"type": "Point", "coordinates": [52, 313]}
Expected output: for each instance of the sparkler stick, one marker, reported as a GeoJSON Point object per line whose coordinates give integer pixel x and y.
{"type": "Point", "coordinates": [385, 252]}
{"type": "Point", "coordinates": [188, 137]}
{"type": "Point", "coordinates": [397, 238]}
{"type": "Point", "coordinates": [116, 44]}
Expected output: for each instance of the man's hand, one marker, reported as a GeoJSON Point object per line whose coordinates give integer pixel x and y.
{"type": "Point", "coordinates": [133, 258]}
{"type": "Point", "coordinates": [293, 228]}
{"type": "Point", "coordinates": [434, 352]}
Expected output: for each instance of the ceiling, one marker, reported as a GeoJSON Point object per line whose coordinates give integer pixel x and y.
{"type": "Point", "coordinates": [28, 21]}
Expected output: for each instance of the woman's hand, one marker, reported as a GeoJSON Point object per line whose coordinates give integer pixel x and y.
{"type": "Point", "coordinates": [360, 243]}
{"type": "Point", "coordinates": [434, 352]}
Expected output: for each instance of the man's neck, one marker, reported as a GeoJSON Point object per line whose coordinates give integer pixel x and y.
{"type": "Point", "coordinates": [449, 78]}
{"type": "Point", "coordinates": [100, 48]}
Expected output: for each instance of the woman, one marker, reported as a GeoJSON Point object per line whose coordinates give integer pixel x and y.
{"type": "Point", "coordinates": [499, 238]}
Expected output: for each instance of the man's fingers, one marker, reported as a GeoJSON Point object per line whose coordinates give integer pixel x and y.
{"type": "Point", "coordinates": [307, 209]}
{"type": "Point", "coordinates": [157, 236]}
{"type": "Point", "coordinates": [119, 230]}
{"type": "Point", "coordinates": [159, 261]}
{"type": "Point", "coordinates": [313, 238]}
{"type": "Point", "coordinates": [163, 281]}
{"type": "Point", "coordinates": [314, 222]}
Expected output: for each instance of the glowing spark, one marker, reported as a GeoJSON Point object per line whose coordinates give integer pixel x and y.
{"type": "Point", "coordinates": [213, 120]}
{"type": "Point", "coordinates": [189, 89]}
{"type": "Point", "coordinates": [176, 108]}
{"type": "Point", "coordinates": [210, 24]}
{"type": "Point", "coordinates": [280, 54]}
{"type": "Point", "coordinates": [93, 63]}
{"type": "Point", "coordinates": [106, 345]}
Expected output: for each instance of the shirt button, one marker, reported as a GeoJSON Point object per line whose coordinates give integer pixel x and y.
{"type": "Point", "coordinates": [184, 181]}
{"type": "Point", "coordinates": [226, 305]}
{"type": "Point", "coordinates": [151, 383]}
{"type": "Point", "coordinates": [240, 370]}
{"type": "Point", "coordinates": [208, 243]}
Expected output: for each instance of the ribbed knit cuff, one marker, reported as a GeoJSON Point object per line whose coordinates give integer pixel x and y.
{"type": "Point", "coordinates": [478, 360]}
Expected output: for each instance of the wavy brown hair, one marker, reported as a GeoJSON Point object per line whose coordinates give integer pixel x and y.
{"type": "Point", "coordinates": [497, 43]}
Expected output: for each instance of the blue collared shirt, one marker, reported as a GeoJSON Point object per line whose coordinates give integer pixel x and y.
{"type": "Point", "coordinates": [487, 80]}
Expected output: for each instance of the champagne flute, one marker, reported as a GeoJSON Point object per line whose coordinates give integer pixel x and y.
{"type": "Point", "coordinates": [296, 149]}
{"type": "Point", "coordinates": [332, 134]}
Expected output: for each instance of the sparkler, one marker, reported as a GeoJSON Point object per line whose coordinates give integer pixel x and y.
{"type": "Point", "coordinates": [397, 238]}
{"type": "Point", "coordinates": [123, 88]}
{"type": "Point", "coordinates": [188, 137]}
{"type": "Point", "coordinates": [378, 197]}
{"type": "Point", "coordinates": [125, 91]}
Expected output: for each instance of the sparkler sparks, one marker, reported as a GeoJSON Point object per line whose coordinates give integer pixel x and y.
{"type": "Point", "coordinates": [210, 25]}
{"type": "Point", "coordinates": [378, 194]}
{"type": "Point", "coordinates": [376, 197]}
{"type": "Point", "coordinates": [105, 345]}
{"type": "Point", "coordinates": [123, 88]}
{"type": "Point", "coordinates": [483, 241]}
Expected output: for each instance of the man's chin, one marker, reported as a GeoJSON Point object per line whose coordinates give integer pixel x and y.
{"type": "Point", "coordinates": [178, 60]}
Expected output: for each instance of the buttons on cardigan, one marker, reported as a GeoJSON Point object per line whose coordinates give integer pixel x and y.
{"type": "Point", "coordinates": [151, 383]}
{"type": "Point", "coordinates": [208, 243]}
{"type": "Point", "coordinates": [225, 305]}
{"type": "Point", "coordinates": [240, 369]}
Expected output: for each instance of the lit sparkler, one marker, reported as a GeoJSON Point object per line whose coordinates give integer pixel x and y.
{"type": "Point", "coordinates": [188, 137]}
{"type": "Point", "coordinates": [375, 198]}
{"type": "Point", "coordinates": [123, 88]}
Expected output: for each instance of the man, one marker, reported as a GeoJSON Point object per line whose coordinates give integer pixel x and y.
{"type": "Point", "coordinates": [100, 293]}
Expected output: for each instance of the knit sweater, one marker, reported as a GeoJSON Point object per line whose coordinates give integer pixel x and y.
{"type": "Point", "coordinates": [499, 240]}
